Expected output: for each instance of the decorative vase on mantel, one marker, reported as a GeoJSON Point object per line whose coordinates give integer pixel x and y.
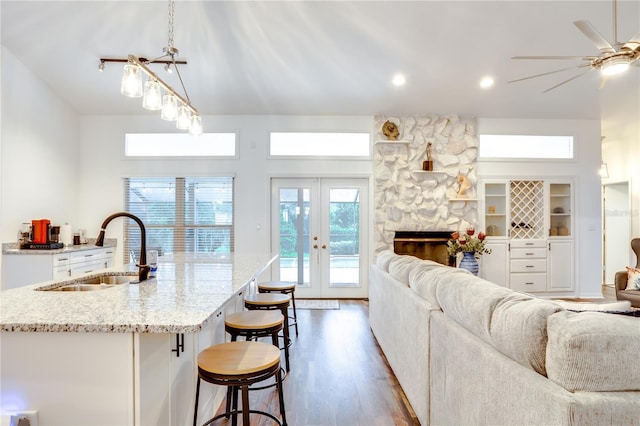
{"type": "Point", "coordinates": [469, 262]}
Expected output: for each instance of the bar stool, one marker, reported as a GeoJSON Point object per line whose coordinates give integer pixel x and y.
{"type": "Point", "coordinates": [283, 287]}
{"type": "Point", "coordinates": [250, 325]}
{"type": "Point", "coordinates": [240, 364]}
{"type": "Point", "coordinates": [273, 301]}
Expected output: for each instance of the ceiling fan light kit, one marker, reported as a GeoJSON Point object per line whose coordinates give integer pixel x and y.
{"type": "Point", "coordinates": [172, 105]}
{"type": "Point", "coordinates": [615, 64]}
{"type": "Point", "coordinates": [614, 58]}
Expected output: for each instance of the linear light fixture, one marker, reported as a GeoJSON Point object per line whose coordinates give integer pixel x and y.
{"type": "Point", "coordinates": [173, 106]}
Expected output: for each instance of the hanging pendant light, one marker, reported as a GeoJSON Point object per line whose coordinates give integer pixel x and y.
{"type": "Point", "coordinates": [184, 118]}
{"type": "Point", "coordinates": [131, 84]}
{"type": "Point", "coordinates": [152, 97]}
{"type": "Point", "coordinates": [196, 125]}
{"type": "Point", "coordinates": [169, 107]}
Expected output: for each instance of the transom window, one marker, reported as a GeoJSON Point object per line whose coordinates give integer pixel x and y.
{"type": "Point", "coordinates": [310, 144]}
{"type": "Point", "coordinates": [180, 145]}
{"type": "Point", "coordinates": [526, 146]}
{"type": "Point", "coordinates": [182, 214]}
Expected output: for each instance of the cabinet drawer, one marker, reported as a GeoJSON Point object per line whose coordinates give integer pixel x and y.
{"type": "Point", "coordinates": [86, 256]}
{"type": "Point", "coordinates": [86, 267]}
{"type": "Point", "coordinates": [528, 244]}
{"type": "Point", "coordinates": [529, 265]}
{"type": "Point", "coordinates": [528, 253]}
{"type": "Point", "coordinates": [61, 260]}
{"type": "Point", "coordinates": [529, 282]}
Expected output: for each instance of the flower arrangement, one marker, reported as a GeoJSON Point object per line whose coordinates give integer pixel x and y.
{"type": "Point", "coordinates": [467, 242]}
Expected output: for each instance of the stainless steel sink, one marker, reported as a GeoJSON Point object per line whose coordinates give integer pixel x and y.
{"type": "Point", "coordinates": [109, 280]}
{"type": "Point", "coordinates": [100, 282]}
{"type": "Point", "coordinates": [82, 287]}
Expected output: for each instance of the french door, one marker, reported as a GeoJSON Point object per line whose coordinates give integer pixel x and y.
{"type": "Point", "coordinates": [319, 228]}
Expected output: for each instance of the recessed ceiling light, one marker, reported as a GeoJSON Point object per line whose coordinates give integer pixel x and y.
{"type": "Point", "coordinates": [399, 80]}
{"type": "Point", "coordinates": [486, 82]}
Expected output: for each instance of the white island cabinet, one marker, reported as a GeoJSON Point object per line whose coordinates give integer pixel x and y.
{"type": "Point", "coordinates": [126, 355]}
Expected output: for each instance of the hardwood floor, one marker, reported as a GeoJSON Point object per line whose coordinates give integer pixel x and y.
{"type": "Point", "coordinates": [338, 375]}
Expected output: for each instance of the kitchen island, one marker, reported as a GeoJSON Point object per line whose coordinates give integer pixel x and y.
{"type": "Point", "coordinates": [125, 355]}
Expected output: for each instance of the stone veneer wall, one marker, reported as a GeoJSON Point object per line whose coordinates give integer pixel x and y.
{"type": "Point", "coordinates": [406, 199]}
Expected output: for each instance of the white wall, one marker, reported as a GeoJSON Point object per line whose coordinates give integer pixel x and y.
{"type": "Point", "coordinates": [39, 173]}
{"type": "Point", "coordinates": [620, 109]}
{"type": "Point", "coordinates": [102, 166]}
{"type": "Point", "coordinates": [588, 200]}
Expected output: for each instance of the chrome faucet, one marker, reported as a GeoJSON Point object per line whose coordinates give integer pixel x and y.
{"type": "Point", "coordinates": [143, 268]}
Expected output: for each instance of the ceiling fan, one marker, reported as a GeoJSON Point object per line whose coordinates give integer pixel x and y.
{"type": "Point", "coordinates": [614, 58]}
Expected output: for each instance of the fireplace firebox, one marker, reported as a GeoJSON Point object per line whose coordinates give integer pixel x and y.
{"type": "Point", "coordinates": [430, 245]}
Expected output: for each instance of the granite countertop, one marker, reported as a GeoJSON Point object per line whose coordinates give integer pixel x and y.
{"type": "Point", "coordinates": [13, 248]}
{"type": "Point", "coordinates": [184, 296]}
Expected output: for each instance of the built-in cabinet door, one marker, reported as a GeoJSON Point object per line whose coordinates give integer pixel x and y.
{"type": "Point", "coordinates": [561, 265]}
{"type": "Point", "coordinates": [183, 380]}
{"type": "Point", "coordinates": [494, 266]}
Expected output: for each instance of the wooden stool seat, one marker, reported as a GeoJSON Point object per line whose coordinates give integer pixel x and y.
{"type": "Point", "coordinates": [273, 301]}
{"type": "Point", "coordinates": [239, 365]}
{"type": "Point", "coordinates": [238, 358]}
{"type": "Point", "coordinates": [267, 299]}
{"type": "Point", "coordinates": [284, 287]}
{"type": "Point", "coordinates": [254, 320]}
{"type": "Point", "coordinates": [277, 286]}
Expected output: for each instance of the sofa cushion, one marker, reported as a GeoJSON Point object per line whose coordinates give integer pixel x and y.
{"type": "Point", "coordinates": [425, 280]}
{"type": "Point", "coordinates": [513, 323]}
{"type": "Point", "coordinates": [401, 266]}
{"type": "Point", "coordinates": [633, 278]}
{"type": "Point", "coordinates": [470, 301]}
{"type": "Point", "coordinates": [593, 351]}
{"type": "Point", "coordinates": [519, 329]}
{"type": "Point", "coordinates": [384, 258]}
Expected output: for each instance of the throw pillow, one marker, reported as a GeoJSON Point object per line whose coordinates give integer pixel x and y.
{"type": "Point", "coordinates": [633, 278]}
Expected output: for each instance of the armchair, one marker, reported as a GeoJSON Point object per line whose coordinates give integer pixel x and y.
{"type": "Point", "coordinates": [621, 279]}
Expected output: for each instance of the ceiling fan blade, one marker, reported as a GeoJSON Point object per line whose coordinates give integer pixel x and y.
{"type": "Point", "coordinates": [589, 30]}
{"type": "Point", "coordinates": [551, 72]}
{"type": "Point", "coordinates": [566, 81]}
{"type": "Point", "coordinates": [633, 44]}
{"type": "Point", "coordinates": [586, 58]}
{"type": "Point", "coordinates": [540, 75]}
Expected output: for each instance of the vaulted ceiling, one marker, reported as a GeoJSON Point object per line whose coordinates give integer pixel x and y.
{"type": "Point", "coordinates": [323, 57]}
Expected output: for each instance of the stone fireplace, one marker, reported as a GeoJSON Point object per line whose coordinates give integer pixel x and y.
{"type": "Point", "coordinates": [407, 198]}
{"type": "Point", "coordinates": [431, 245]}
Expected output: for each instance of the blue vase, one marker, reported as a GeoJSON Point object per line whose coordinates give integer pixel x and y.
{"type": "Point", "coordinates": [469, 262]}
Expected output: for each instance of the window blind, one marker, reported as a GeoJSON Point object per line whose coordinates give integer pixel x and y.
{"type": "Point", "coordinates": [181, 214]}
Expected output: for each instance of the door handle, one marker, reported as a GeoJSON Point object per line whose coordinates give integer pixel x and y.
{"type": "Point", "coordinates": [324, 246]}
{"type": "Point", "coordinates": [315, 246]}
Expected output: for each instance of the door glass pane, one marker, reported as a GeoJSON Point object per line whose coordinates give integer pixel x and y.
{"type": "Point", "coordinates": [344, 237]}
{"type": "Point", "coordinates": [294, 234]}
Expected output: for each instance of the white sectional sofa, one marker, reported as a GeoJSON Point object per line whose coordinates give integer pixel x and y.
{"type": "Point", "coordinates": [470, 352]}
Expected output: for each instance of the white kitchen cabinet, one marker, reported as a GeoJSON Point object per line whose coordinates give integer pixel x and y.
{"type": "Point", "coordinates": [21, 268]}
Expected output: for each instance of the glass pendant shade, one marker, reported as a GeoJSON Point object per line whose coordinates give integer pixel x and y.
{"type": "Point", "coordinates": [184, 118]}
{"type": "Point", "coordinates": [196, 125]}
{"type": "Point", "coordinates": [169, 108]}
{"type": "Point", "coordinates": [152, 97]}
{"type": "Point", "coordinates": [131, 84]}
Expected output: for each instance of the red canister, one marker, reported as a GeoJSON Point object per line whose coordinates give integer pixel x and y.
{"type": "Point", "coordinates": [41, 230]}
